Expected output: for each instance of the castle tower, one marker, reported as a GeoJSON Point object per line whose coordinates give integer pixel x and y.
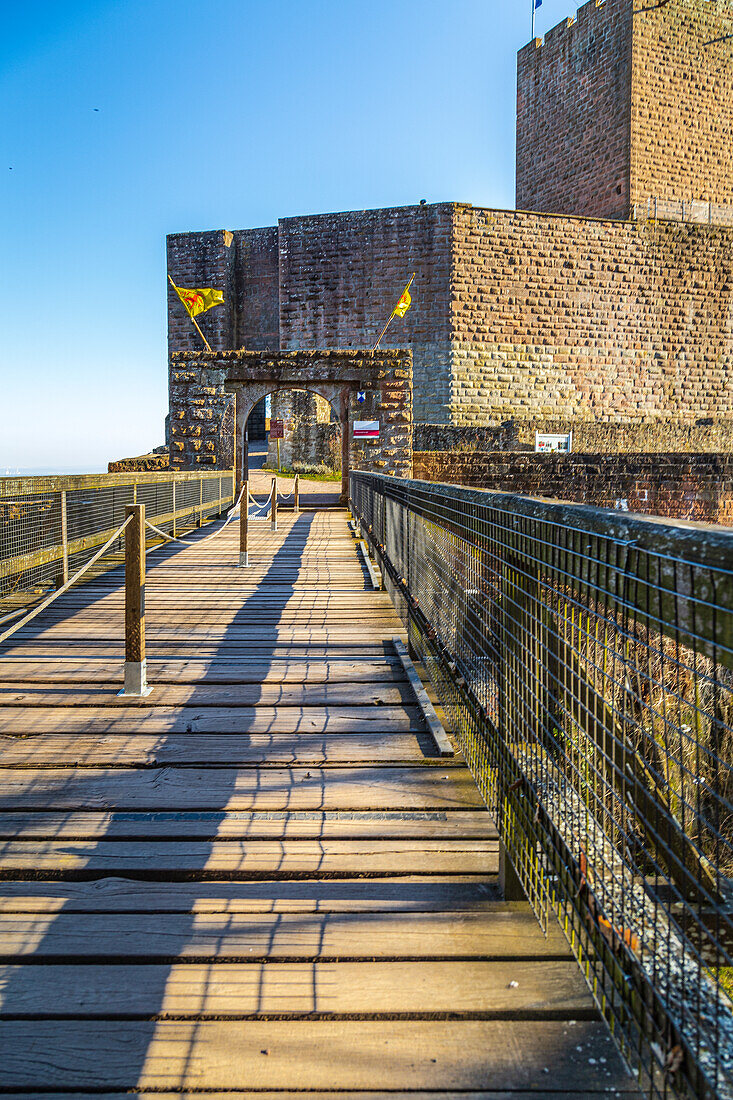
{"type": "Point", "coordinates": [628, 108]}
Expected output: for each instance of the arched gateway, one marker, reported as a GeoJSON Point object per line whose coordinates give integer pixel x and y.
{"type": "Point", "coordinates": [205, 430]}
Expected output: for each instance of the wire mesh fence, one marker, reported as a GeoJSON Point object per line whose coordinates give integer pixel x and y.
{"type": "Point", "coordinates": [585, 661]}
{"type": "Point", "coordinates": [51, 526]}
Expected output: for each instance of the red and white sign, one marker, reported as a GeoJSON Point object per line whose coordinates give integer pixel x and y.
{"type": "Point", "coordinates": [276, 429]}
{"type": "Point", "coordinates": [366, 429]}
{"type": "Point", "coordinates": [559, 444]}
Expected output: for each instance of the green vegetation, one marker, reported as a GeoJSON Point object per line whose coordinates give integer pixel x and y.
{"type": "Point", "coordinates": [311, 472]}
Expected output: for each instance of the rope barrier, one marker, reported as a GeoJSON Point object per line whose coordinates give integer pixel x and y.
{"type": "Point", "coordinates": [199, 542]}
{"type": "Point", "coordinates": [60, 591]}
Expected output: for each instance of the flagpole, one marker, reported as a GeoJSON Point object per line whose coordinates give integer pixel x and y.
{"type": "Point", "coordinates": [208, 345]}
{"type": "Point", "coordinates": [393, 312]}
{"type": "Point", "coordinates": [534, 9]}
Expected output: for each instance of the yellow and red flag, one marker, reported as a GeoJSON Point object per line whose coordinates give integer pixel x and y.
{"type": "Point", "coordinates": [198, 301]}
{"type": "Point", "coordinates": [405, 301]}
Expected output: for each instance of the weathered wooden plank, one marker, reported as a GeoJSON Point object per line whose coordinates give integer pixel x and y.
{"type": "Point", "coordinates": [340, 1054]}
{"type": "Point", "coordinates": [496, 932]}
{"type": "Point", "coordinates": [407, 894]}
{"type": "Point", "coordinates": [142, 717]}
{"type": "Point", "coordinates": [183, 648]}
{"type": "Point", "coordinates": [211, 695]}
{"type": "Point", "coordinates": [69, 669]}
{"type": "Point", "coordinates": [277, 989]}
{"type": "Point", "coordinates": [249, 857]}
{"type": "Point", "coordinates": [276, 826]}
{"type": "Point", "coordinates": [295, 788]}
{"type": "Point", "coordinates": [231, 748]}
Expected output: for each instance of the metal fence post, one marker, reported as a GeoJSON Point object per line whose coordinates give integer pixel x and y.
{"type": "Point", "coordinates": [220, 496]}
{"type": "Point", "coordinates": [174, 508]}
{"type": "Point", "coordinates": [244, 526]}
{"type": "Point", "coordinates": [64, 539]}
{"type": "Point", "coordinates": [296, 494]}
{"type": "Point", "coordinates": [273, 505]}
{"type": "Point", "coordinates": [201, 500]}
{"type": "Point", "coordinates": [135, 661]}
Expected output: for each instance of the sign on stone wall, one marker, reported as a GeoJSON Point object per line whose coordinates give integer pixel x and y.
{"type": "Point", "coordinates": [550, 443]}
{"type": "Point", "coordinates": [366, 429]}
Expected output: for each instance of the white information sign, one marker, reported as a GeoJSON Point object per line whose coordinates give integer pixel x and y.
{"type": "Point", "coordinates": [561, 444]}
{"type": "Point", "coordinates": [366, 429]}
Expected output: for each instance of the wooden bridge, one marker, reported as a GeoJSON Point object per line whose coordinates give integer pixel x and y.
{"type": "Point", "coordinates": [262, 878]}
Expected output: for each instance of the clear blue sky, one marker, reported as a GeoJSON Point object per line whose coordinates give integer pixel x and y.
{"type": "Point", "coordinates": [227, 114]}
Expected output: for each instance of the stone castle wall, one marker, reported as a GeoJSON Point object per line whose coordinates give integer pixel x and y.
{"type": "Point", "coordinates": [659, 436]}
{"type": "Point", "coordinates": [629, 100]}
{"type": "Point", "coordinates": [342, 274]}
{"type": "Point", "coordinates": [682, 101]}
{"type": "Point", "coordinates": [203, 401]}
{"type": "Point", "coordinates": [573, 115]}
{"type": "Point", "coordinates": [570, 318]}
{"type": "Point", "coordinates": [533, 317]}
{"type": "Point", "coordinates": [515, 315]}
{"type": "Point", "coordinates": [690, 486]}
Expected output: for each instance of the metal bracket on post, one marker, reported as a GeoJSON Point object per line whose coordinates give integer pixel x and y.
{"type": "Point", "coordinates": [136, 683]}
{"type": "Point", "coordinates": [244, 527]}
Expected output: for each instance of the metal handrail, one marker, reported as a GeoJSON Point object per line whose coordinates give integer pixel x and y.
{"type": "Point", "coordinates": [585, 660]}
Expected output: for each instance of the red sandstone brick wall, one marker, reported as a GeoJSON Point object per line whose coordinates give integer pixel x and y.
{"type": "Point", "coordinates": [257, 290]}
{"type": "Point", "coordinates": [682, 101]}
{"type": "Point", "coordinates": [573, 115]}
{"type": "Point", "coordinates": [631, 99]}
{"type": "Point", "coordinates": [692, 487]}
{"type": "Point", "coordinates": [535, 317]}
{"type": "Point", "coordinates": [565, 318]}
{"type": "Point", "coordinates": [341, 276]}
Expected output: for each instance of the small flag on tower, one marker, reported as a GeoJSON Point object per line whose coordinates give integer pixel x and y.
{"type": "Point", "coordinates": [399, 310]}
{"type": "Point", "coordinates": [198, 301]}
{"type": "Point", "coordinates": [404, 303]}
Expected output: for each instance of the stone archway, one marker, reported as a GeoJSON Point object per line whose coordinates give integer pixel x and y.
{"type": "Point", "coordinates": [249, 395]}
{"type": "Point", "coordinates": [337, 376]}
{"type": "Point", "coordinates": [205, 386]}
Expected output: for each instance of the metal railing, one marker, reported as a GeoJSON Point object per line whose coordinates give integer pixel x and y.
{"type": "Point", "coordinates": [51, 526]}
{"type": "Point", "coordinates": [584, 659]}
{"type": "Point", "coordinates": [697, 211]}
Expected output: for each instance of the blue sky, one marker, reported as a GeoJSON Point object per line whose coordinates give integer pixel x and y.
{"type": "Point", "coordinates": [227, 114]}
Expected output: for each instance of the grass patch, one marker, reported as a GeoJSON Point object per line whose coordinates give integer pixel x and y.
{"type": "Point", "coordinates": [318, 472]}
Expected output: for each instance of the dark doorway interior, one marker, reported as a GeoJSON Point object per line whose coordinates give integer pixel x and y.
{"type": "Point", "coordinates": [256, 422]}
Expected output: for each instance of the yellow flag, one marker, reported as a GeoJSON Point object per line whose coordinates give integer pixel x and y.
{"type": "Point", "coordinates": [198, 301]}
{"type": "Point", "coordinates": [404, 303]}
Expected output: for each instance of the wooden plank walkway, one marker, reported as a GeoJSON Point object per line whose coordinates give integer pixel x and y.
{"type": "Point", "coordinates": [261, 879]}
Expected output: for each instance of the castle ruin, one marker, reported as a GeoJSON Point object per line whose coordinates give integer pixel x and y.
{"type": "Point", "coordinates": [606, 298]}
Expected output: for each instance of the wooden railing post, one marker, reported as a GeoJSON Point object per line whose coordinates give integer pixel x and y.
{"type": "Point", "coordinates": [296, 494]}
{"type": "Point", "coordinates": [273, 505]}
{"type": "Point", "coordinates": [136, 682]}
{"type": "Point", "coordinates": [64, 540]}
{"type": "Point", "coordinates": [244, 526]}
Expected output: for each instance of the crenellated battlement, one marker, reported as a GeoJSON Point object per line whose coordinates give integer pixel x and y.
{"type": "Point", "coordinates": [629, 100]}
